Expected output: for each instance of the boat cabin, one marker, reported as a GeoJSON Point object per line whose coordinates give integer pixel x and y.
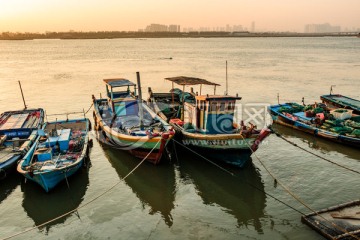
{"type": "Point", "coordinates": [124, 102]}
{"type": "Point", "coordinates": [210, 114]}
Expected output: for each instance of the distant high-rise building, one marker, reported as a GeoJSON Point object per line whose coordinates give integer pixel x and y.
{"type": "Point", "coordinates": [253, 26]}
{"type": "Point", "coordinates": [156, 28]}
{"type": "Point", "coordinates": [321, 28]}
{"type": "Point", "coordinates": [174, 28]}
{"type": "Point", "coordinates": [162, 28]}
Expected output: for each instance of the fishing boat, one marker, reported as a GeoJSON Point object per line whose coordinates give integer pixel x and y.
{"type": "Point", "coordinates": [18, 132]}
{"type": "Point", "coordinates": [336, 124]}
{"type": "Point", "coordinates": [340, 101]}
{"type": "Point", "coordinates": [127, 123]}
{"type": "Point", "coordinates": [205, 123]}
{"type": "Point", "coordinates": [59, 151]}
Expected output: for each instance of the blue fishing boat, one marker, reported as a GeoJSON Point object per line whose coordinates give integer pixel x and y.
{"type": "Point", "coordinates": [18, 132]}
{"type": "Point", "coordinates": [127, 123]}
{"type": "Point", "coordinates": [335, 124]}
{"type": "Point", "coordinates": [59, 151]}
{"type": "Point", "coordinates": [206, 123]}
{"type": "Point", "coordinates": [340, 101]}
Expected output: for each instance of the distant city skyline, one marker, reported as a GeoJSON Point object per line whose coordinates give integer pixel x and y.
{"type": "Point", "coordinates": [132, 15]}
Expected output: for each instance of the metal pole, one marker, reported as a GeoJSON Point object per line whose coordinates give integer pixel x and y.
{"type": "Point", "coordinates": [22, 94]}
{"type": "Point", "coordinates": [141, 113]}
{"type": "Point", "coordinates": [226, 93]}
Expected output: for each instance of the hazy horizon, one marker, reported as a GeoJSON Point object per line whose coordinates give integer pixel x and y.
{"type": "Point", "coordinates": [112, 15]}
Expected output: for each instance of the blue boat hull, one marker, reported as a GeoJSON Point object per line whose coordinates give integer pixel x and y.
{"type": "Point", "coordinates": [286, 121]}
{"type": "Point", "coordinates": [49, 180]}
{"type": "Point", "coordinates": [9, 165]}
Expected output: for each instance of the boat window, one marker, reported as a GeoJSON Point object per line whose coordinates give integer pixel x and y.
{"type": "Point", "coordinates": [222, 106]}
{"type": "Point", "coordinates": [213, 106]}
{"type": "Point", "coordinates": [229, 107]}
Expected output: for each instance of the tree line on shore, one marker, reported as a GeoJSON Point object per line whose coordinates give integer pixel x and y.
{"type": "Point", "coordinates": [123, 34]}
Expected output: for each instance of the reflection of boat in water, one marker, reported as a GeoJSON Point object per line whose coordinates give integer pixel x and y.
{"type": "Point", "coordinates": [317, 143]}
{"type": "Point", "coordinates": [42, 207]}
{"type": "Point", "coordinates": [154, 187]}
{"type": "Point", "coordinates": [8, 185]}
{"type": "Point", "coordinates": [241, 195]}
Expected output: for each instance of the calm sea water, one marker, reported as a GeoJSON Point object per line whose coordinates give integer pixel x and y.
{"type": "Point", "coordinates": [187, 198]}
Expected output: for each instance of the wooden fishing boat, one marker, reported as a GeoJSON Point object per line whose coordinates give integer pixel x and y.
{"type": "Point", "coordinates": [340, 101]}
{"type": "Point", "coordinates": [205, 123]}
{"type": "Point", "coordinates": [58, 153]}
{"type": "Point", "coordinates": [337, 222]}
{"type": "Point", "coordinates": [18, 131]}
{"type": "Point", "coordinates": [129, 124]}
{"type": "Point", "coordinates": [338, 125]}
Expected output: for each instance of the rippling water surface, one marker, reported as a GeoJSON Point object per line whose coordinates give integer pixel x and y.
{"type": "Point", "coordinates": [187, 198]}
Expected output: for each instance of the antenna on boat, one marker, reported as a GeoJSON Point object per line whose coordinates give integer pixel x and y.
{"type": "Point", "coordinates": [22, 94]}
{"type": "Point", "coordinates": [226, 93]}
{"type": "Point", "coordinates": [331, 89]}
{"type": "Point", "coordinates": [141, 112]}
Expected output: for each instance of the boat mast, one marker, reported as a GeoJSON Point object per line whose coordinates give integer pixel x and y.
{"type": "Point", "coordinates": [226, 93]}
{"type": "Point", "coordinates": [22, 94]}
{"type": "Point", "coordinates": [141, 112]}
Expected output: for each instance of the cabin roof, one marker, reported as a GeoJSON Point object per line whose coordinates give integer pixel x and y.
{"type": "Point", "coordinates": [119, 82]}
{"type": "Point", "coordinates": [217, 97]}
{"type": "Point", "coordinates": [190, 81]}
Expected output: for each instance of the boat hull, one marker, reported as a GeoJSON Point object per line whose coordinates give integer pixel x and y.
{"type": "Point", "coordinates": [49, 180]}
{"type": "Point", "coordinates": [232, 149]}
{"type": "Point", "coordinates": [281, 119]}
{"type": "Point", "coordinates": [151, 148]}
{"type": "Point", "coordinates": [9, 165]}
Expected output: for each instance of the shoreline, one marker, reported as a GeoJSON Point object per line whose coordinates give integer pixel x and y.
{"type": "Point", "coordinates": [145, 35]}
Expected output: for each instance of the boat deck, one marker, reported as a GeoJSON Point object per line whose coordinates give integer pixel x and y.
{"type": "Point", "coordinates": [338, 222]}
{"type": "Point", "coordinates": [342, 101]}
{"type": "Point", "coordinates": [70, 140]}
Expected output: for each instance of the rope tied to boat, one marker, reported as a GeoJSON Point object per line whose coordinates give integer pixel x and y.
{"type": "Point", "coordinates": [321, 157]}
{"type": "Point", "coordinates": [298, 199]}
{"type": "Point", "coordinates": [89, 108]}
{"type": "Point", "coordinates": [89, 202]}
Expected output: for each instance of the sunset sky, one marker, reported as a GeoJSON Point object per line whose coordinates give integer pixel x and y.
{"type": "Point", "coordinates": [131, 15]}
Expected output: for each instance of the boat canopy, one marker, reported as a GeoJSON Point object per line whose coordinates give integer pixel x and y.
{"type": "Point", "coordinates": [217, 97]}
{"type": "Point", "coordinates": [190, 81]}
{"type": "Point", "coordinates": [119, 82]}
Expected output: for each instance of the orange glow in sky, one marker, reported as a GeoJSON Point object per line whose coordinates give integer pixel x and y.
{"type": "Point", "coordinates": [131, 15]}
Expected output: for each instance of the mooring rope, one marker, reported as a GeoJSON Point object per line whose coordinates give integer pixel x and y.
{"type": "Point", "coordinates": [298, 198]}
{"type": "Point", "coordinates": [321, 157]}
{"type": "Point", "coordinates": [232, 174]}
{"type": "Point", "coordinates": [89, 108]}
{"type": "Point", "coordinates": [92, 200]}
